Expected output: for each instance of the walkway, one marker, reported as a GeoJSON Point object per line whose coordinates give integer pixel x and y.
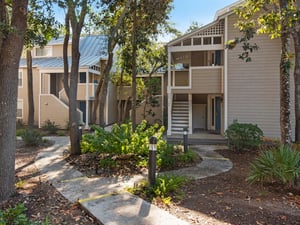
{"type": "Point", "coordinates": [106, 198]}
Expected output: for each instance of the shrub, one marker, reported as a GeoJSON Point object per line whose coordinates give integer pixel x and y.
{"type": "Point", "coordinates": [17, 215]}
{"type": "Point", "coordinates": [50, 127]}
{"type": "Point", "coordinates": [280, 165]}
{"type": "Point", "coordinates": [244, 136]}
{"type": "Point", "coordinates": [20, 131]}
{"type": "Point", "coordinates": [165, 188]}
{"type": "Point", "coordinates": [20, 124]}
{"type": "Point", "coordinates": [31, 137]}
{"type": "Point", "coordinates": [122, 139]}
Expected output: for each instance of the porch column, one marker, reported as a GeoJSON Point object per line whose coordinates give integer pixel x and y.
{"type": "Point", "coordinates": [87, 111]}
{"type": "Point", "coordinates": [169, 95]}
{"type": "Point", "coordinates": [169, 132]}
{"type": "Point", "coordinates": [190, 113]}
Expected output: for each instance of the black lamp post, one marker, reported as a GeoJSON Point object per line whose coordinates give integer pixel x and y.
{"type": "Point", "coordinates": [152, 160]}
{"type": "Point", "coordinates": [185, 139]}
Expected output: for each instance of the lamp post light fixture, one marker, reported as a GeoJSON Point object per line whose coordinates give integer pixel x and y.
{"type": "Point", "coordinates": [152, 160]}
{"type": "Point", "coordinates": [185, 139]}
{"type": "Point", "coordinates": [80, 126]}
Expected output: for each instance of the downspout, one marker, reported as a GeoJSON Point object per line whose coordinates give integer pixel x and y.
{"type": "Point", "coordinates": [87, 83]}
{"type": "Point", "coordinates": [40, 92]}
{"type": "Point", "coordinates": [226, 76]}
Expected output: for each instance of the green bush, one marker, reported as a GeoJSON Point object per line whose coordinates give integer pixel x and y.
{"type": "Point", "coordinates": [279, 165]}
{"type": "Point", "coordinates": [50, 127]}
{"type": "Point", "coordinates": [20, 131]}
{"type": "Point", "coordinates": [20, 124]}
{"type": "Point", "coordinates": [122, 139]}
{"type": "Point", "coordinates": [165, 188]}
{"type": "Point", "coordinates": [244, 136]}
{"type": "Point", "coordinates": [31, 137]}
{"type": "Point", "coordinates": [16, 215]}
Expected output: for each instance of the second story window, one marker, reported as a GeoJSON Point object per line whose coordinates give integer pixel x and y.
{"type": "Point", "coordinates": [45, 51]}
{"type": "Point", "coordinates": [20, 109]}
{"type": "Point", "coordinates": [20, 79]}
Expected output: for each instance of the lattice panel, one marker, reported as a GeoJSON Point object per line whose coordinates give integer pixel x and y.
{"type": "Point", "coordinates": [218, 29]}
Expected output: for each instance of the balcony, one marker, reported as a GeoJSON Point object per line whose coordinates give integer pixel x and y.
{"type": "Point", "coordinates": [202, 80]}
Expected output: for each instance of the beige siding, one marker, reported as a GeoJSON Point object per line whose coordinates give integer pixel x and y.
{"type": "Point", "coordinates": [23, 94]}
{"type": "Point", "coordinates": [111, 104]}
{"type": "Point", "coordinates": [157, 118]}
{"type": "Point", "coordinates": [81, 91]}
{"type": "Point", "coordinates": [207, 80]}
{"type": "Point", "coordinates": [54, 110]}
{"type": "Point", "coordinates": [253, 88]}
{"type": "Point", "coordinates": [57, 50]}
{"type": "Point", "coordinates": [181, 78]}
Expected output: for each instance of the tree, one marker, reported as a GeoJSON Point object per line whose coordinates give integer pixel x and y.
{"type": "Point", "coordinates": [141, 31]}
{"type": "Point", "coordinates": [40, 29]}
{"type": "Point", "coordinates": [194, 25]}
{"type": "Point", "coordinates": [278, 18]}
{"type": "Point", "coordinates": [114, 15]}
{"type": "Point", "coordinates": [13, 17]}
{"type": "Point", "coordinates": [71, 80]}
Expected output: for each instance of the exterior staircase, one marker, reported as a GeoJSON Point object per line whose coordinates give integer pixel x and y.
{"type": "Point", "coordinates": [180, 116]}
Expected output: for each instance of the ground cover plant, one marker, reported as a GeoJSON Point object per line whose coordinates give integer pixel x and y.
{"type": "Point", "coordinates": [126, 151]}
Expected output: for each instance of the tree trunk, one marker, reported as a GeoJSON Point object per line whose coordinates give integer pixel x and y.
{"type": "Point", "coordinates": [30, 89]}
{"type": "Point", "coordinates": [134, 50]}
{"type": "Point", "coordinates": [296, 37]}
{"type": "Point", "coordinates": [97, 99]}
{"type": "Point", "coordinates": [104, 86]}
{"type": "Point", "coordinates": [74, 120]}
{"type": "Point", "coordinates": [285, 105]}
{"type": "Point", "coordinates": [10, 53]}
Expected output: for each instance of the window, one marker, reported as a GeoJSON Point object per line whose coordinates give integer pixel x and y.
{"type": "Point", "coordinates": [20, 79]}
{"type": "Point", "coordinates": [207, 41]}
{"type": "Point", "coordinates": [187, 42]}
{"type": "Point", "coordinates": [217, 40]}
{"type": "Point", "coordinates": [46, 51]}
{"type": "Point", "coordinates": [197, 41]}
{"type": "Point", "coordinates": [82, 77]}
{"type": "Point", "coordinates": [20, 109]}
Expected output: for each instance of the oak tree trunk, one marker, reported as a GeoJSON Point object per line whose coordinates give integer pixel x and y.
{"type": "Point", "coordinates": [285, 105]}
{"type": "Point", "coordinates": [10, 52]}
{"type": "Point", "coordinates": [30, 89]}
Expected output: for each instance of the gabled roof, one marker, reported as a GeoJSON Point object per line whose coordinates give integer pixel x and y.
{"type": "Point", "coordinates": [92, 49]}
{"type": "Point", "coordinates": [57, 62]}
{"type": "Point", "coordinates": [219, 15]}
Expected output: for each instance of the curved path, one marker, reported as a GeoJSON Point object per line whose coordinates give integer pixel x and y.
{"type": "Point", "coordinates": [105, 198]}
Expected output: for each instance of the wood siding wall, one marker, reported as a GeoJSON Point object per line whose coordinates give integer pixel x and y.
{"type": "Point", "coordinates": [207, 80]}
{"type": "Point", "coordinates": [253, 87]}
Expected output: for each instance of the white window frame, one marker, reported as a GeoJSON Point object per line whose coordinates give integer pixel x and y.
{"type": "Point", "coordinates": [20, 79]}
{"type": "Point", "coordinates": [20, 103]}
{"type": "Point", "coordinates": [47, 49]}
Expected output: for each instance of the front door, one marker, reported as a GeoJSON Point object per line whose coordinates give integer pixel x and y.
{"type": "Point", "coordinates": [218, 114]}
{"type": "Point", "coordinates": [215, 113]}
{"type": "Point", "coordinates": [82, 107]}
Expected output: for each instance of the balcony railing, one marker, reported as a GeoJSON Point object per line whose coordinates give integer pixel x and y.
{"type": "Point", "coordinates": [205, 79]}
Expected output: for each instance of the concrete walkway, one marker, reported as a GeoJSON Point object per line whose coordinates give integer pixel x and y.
{"type": "Point", "coordinates": [106, 198]}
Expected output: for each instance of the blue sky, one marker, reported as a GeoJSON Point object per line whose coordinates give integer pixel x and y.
{"type": "Point", "coordinates": [202, 11]}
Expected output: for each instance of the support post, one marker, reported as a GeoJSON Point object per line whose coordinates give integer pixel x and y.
{"type": "Point", "coordinates": [185, 139]}
{"type": "Point", "coordinates": [152, 161]}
